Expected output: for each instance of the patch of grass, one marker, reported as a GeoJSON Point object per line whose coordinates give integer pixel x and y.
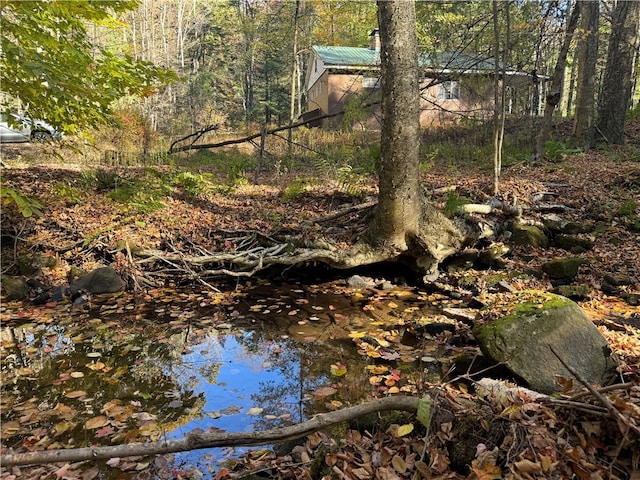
{"type": "Point", "coordinates": [627, 208]}
{"type": "Point", "coordinates": [555, 150]}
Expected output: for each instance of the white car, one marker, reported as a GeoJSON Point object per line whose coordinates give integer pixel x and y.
{"type": "Point", "coordinates": [25, 130]}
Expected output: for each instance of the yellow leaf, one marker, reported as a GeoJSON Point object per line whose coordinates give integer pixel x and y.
{"type": "Point", "coordinates": [339, 370]}
{"type": "Point", "coordinates": [405, 429]}
{"type": "Point", "coordinates": [392, 305]}
{"type": "Point", "coordinates": [76, 374]}
{"type": "Point", "coordinates": [357, 334]}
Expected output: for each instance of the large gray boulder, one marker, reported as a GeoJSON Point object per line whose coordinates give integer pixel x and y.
{"type": "Point", "coordinates": [523, 341]}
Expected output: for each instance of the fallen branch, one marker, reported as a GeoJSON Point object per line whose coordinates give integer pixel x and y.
{"type": "Point", "coordinates": [194, 441]}
{"type": "Point", "coordinates": [494, 204]}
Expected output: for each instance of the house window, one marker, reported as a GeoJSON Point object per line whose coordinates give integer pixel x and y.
{"type": "Point", "coordinates": [370, 82]}
{"type": "Point", "coordinates": [449, 91]}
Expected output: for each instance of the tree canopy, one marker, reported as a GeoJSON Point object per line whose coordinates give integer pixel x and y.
{"type": "Point", "coordinates": [50, 65]}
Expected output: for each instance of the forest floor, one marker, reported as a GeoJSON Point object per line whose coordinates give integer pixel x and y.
{"type": "Point", "coordinates": [90, 227]}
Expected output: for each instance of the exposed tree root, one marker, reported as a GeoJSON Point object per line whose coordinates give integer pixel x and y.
{"type": "Point", "coordinates": [212, 439]}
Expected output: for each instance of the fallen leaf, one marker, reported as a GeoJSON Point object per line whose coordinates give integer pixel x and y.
{"type": "Point", "coordinates": [338, 370]}
{"type": "Point", "coordinates": [405, 429]}
{"type": "Point", "coordinates": [96, 422]}
{"type": "Point", "coordinates": [76, 394]}
{"type": "Point", "coordinates": [324, 392]}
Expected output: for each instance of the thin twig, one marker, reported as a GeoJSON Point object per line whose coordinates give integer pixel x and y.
{"type": "Point", "coordinates": [601, 398]}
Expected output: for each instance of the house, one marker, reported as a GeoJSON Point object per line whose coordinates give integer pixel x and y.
{"type": "Point", "coordinates": [454, 85]}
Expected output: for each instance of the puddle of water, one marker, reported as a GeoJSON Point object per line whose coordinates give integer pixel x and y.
{"type": "Point", "coordinates": [160, 367]}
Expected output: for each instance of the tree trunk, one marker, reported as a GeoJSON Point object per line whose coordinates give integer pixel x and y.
{"type": "Point", "coordinates": [617, 85]}
{"type": "Point", "coordinates": [584, 126]}
{"type": "Point", "coordinates": [499, 92]}
{"type": "Point", "coordinates": [555, 92]}
{"type": "Point", "coordinates": [404, 222]}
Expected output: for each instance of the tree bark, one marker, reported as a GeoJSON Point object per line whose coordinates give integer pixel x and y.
{"type": "Point", "coordinates": [584, 125]}
{"type": "Point", "coordinates": [617, 84]}
{"type": "Point", "coordinates": [404, 223]}
{"type": "Point", "coordinates": [555, 92]}
{"type": "Point", "coordinates": [212, 439]}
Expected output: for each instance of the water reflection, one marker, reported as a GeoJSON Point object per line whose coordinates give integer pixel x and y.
{"type": "Point", "coordinates": [151, 381]}
{"type": "Point", "coordinates": [165, 363]}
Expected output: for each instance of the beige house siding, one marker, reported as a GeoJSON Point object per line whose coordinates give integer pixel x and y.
{"type": "Point", "coordinates": [332, 91]}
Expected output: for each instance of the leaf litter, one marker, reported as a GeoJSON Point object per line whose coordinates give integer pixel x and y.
{"type": "Point", "coordinates": [516, 438]}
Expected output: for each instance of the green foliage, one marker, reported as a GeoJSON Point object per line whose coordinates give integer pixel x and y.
{"type": "Point", "coordinates": [454, 201]}
{"type": "Point", "coordinates": [26, 204]}
{"type": "Point", "coordinates": [424, 411]}
{"type": "Point", "coordinates": [102, 179]}
{"type": "Point", "coordinates": [555, 150]}
{"type": "Point", "coordinates": [70, 194]}
{"type": "Point", "coordinates": [194, 185]}
{"type": "Point", "coordinates": [343, 23]}
{"type": "Point", "coordinates": [49, 64]}
{"type": "Point", "coordinates": [296, 188]}
{"type": "Point", "coordinates": [627, 208]}
{"type": "Point", "coordinates": [354, 113]}
{"type": "Point", "coordinates": [634, 113]}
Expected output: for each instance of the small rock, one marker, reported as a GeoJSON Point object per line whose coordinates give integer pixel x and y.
{"type": "Point", "coordinates": [563, 268]}
{"type": "Point", "coordinates": [14, 288]}
{"type": "Point", "coordinates": [505, 287]}
{"type": "Point", "coordinates": [572, 243]}
{"type": "Point", "coordinates": [358, 282]}
{"type": "Point", "coordinates": [299, 454]}
{"type": "Point", "coordinates": [101, 280]}
{"type": "Point", "coordinates": [465, 315]}
{"type": "Point", "coordinates": [574, 292]}
{"type": "Point", "coordinates": [528, 235]}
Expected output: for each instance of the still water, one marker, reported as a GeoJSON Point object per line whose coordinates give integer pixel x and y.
{"type": "Point", "coordinates": [165, 363]}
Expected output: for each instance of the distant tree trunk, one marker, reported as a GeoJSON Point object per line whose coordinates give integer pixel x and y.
{"type": "Point", "coordinates": [572, 84]}
{"type": "Point", "coordinates": [404, 222]}
{"type": "Point", "coordinates": [584, 125]}
{"type": "Point", "coordinates": [294, 69]}
{"type": "Point", "coordinates": [617, 84]}
{"type": "Point", "coordinates": [499, 92]}
{"type": "Point", "coordinates": [555, 92]}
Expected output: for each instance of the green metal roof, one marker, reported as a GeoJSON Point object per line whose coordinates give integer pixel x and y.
{"type": "Point", "coordinates": [367, 57]}
{"type": "Point", "coordinates": [347, 56]}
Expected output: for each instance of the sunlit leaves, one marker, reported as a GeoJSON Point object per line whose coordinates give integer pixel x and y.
{"type": "Point", "coordinates": [338, 370]}
{"type": "Point", "coordinates": [49, 64]}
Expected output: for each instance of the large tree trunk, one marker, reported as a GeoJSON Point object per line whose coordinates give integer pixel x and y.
{"type": "Point", "coordinates": [554, 94]}
{"type": "Point", "coordinates": [404, 222]}
{"type": "Point", "coordinates": [584, 125]}
{"type": "Point", "coordinates": [617, 85]}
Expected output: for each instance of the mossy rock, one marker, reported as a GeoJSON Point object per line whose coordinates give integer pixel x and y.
{"type": "Point", "coordinates": [563, 268]}
{"type": "Point", "coordinates": [557, 224]}
{"type": "Point", "coordinates": [572, 243]}
{"type": "Point", "coordinates": [14, 288]}
{"type": "Point", "coordinates": [525, 341]}
{"type": "Point", "coordinates": [574, 292]}
{"type": "Point", "coordinates": [528, 235]}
